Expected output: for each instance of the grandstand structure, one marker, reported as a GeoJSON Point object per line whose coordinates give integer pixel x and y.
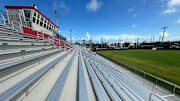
{"type": "Point", "coordinates": [30, 22]}
{"type": "Point", "coordinates": [35, 68]}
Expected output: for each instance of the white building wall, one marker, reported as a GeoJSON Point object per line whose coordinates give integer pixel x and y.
{"type": "Point", "coordinates": [39, 28]}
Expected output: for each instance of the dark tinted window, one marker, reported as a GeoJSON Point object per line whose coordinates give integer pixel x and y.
{"type": "Point", "coordinates": [35, 14]}
{"type": "Point", "coordinates": [27, 14]}
{"type": "Point", "coordinates": [34, 19]}
{"type": "Point", "coordinates": [37, 21]}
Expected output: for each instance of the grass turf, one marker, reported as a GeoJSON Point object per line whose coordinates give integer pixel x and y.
{"type": "Point", "coordinates": [162, 63]}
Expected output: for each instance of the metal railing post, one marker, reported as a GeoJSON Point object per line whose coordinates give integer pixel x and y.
{"type": "Point", "coordinates": [144, 78]}
{"type": "Point", "coordinates": [20, 22]}
{"type": "Point", "coordinates": [150, 96]}
{"type": "Point", "coordinates": [174, 89]}
{"type": "Point", "coordinates": [3, 18]}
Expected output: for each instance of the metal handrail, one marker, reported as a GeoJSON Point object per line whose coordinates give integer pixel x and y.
{"type": "Point", "coordinates": [3, 17]}
{"type": "Point", "coordinates": [19, 35]}
{"type": "Point", "coordinates": [153, 94]}
{"type": "Point", "coordinates": [23, 35]}
{"type": "Point", "coordinates": [14, 25]}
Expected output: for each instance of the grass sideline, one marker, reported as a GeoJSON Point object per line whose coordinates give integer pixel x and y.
{"type": "Point", "coordinates": [162, 63]}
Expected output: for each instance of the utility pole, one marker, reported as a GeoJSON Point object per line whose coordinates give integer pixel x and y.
{"type": "Point", "coordinates": [71, 36]}
{"type": "Point", "coordinates": [90, 43]}
{"type": "Point", "coordinates": [137, 42]}
{"type": "Point", "coordinates": [153, 39]}
{"type": "Point", "coordinates": [164, 30]}
{"type": "Point", "coordinates": [56, 13]}
{"type": "Point", "coordinates": [159, 38]}
{"type": "Point", "coordinates": [83, 42]}
{"type": "Point", "coordinates": [102, 42]}
{"type": "Point", "coordinates": [119, 42]}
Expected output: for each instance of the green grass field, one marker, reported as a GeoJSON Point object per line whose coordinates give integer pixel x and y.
{"type": "Point", "coordinates": [162, 63]}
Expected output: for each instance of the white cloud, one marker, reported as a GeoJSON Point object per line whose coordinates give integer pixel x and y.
{"type": "Point", "coordinates": [165, 34]}
{"type": "Point", "coordinates": [172, 6]}
{"type": "Point", "coordinates": [63, 6]}
{"type": "Point", "coordinates": [133, 26]}
{"type": "Point", "coordinates": [122, 37]}
{"type": "Point", "coordinates": [178, 21]}
{"type": "Point", "coordinates": [94, 5]}
{"type": "Point", "coordinates": [130, 9]}
{"type": "Point", "coordinates": [170, 10]}
{"type": "Point", "coordinates": [173, 3]}
{"type": "Point", "coordinates": [88, 36]}
{"type": "Point", "coordinates": [132, 38]}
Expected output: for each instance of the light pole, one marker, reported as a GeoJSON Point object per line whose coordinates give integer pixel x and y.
{"type": "Point", "coordinates": [164, 30]}
{"type": "Point", "coordinates": [71, 36]}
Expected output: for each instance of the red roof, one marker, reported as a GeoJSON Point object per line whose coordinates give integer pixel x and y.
{"type": "Point", "coordinates": [32, 7]}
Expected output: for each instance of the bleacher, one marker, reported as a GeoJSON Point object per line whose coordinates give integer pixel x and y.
{"type": "Point", "coordinates": [13, 41]}
{"type": "Point", "coordinates": [113, 79]}
{"type": "Point", "coordinates": [15, 45]}
{"type": "Point", "coordinates": [20, 50]}
{"type": "Point", "coordinates": [12, 37]}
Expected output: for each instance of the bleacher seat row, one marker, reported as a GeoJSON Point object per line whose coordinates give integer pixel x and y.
{"type": "Point", "coordinates": [118, 83]}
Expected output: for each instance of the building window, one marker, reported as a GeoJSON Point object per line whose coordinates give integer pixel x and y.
{"type": "Point", "coordinates": [42, 18]}
{"type": "Point", "coordinates": [41, 22]}
{"type": "Point", "coordinates": [35, 14]}
{"type": "Point", "coordinates": [38, 16]}
{"type": "Point", "coordinates": [27, 14]}
{"type": "Point", "coordinates": [37, 21]}
{"type": "Point", "coordinates": [34, 19]}
{"type": "Point", "coordinates": [49, 27]}
{"type": "Point", "coordinates": [45, 24]}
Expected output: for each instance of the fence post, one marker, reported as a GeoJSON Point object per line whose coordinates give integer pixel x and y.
{"type": "Point", "coordinates": [156, 83]}
{"type": "Point", "coordinates": [174, 89]}
{"type": "Point", "coordinates": [150, 96]}
{"type": "Point", "coordinates": [144, 78]}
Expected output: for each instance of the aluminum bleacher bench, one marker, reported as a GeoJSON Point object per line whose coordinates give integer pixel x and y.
{"type": "Point", "coordinates": [8, 51]}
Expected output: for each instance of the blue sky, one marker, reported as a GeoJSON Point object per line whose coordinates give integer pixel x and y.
{"type": "Point", "coordinates": [111, 19]}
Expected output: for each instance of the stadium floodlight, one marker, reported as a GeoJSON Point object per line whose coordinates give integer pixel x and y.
{"type": "Point", "coordinates": [164, 30]}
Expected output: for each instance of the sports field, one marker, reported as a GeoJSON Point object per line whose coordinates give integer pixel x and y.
{"type": "Point", "coordinates": [162, 63]}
